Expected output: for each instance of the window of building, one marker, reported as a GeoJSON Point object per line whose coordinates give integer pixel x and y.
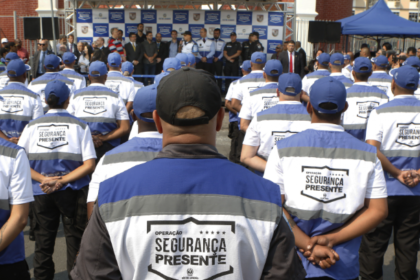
{"type": "Point", "coordinates": [414, 0]}
{"type": "Point", "coordinates": [413, 16]}
{"type": "Point", "coordinates": [396, 13]}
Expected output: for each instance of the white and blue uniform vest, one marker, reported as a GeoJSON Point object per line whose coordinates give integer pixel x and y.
{"type": "Point", "coordinates": [140, 149]}
{"type": "Point", "coordinates": [206, 49]}
{"type": "Point", "coordinates": [122, 85]}
{"type": "Point", "coordinates": [187, 47]}
{"type": "Point", "coordinates": [259, 99]}
{"type": "Point", "coordinates": [383, 81]}
{"type": "Point", "coordinates": [15, 188]}
{"type": "Point", "coordinates": [56, 144]}
{"type": "Point", "coordinates": [219, 47]}
{"type": "Point", "coordinates": [4, 80]}
{"type": "Point", "coordinates": [311, 78]}
{"type": "Point", "coordinates": [340, 77]}
{"type": "Point", "coordinates": [78, 79]}
{"type": "Point", "coordinates": [362, 99]}
{"type": "Point", "coordinates": [38, 85]}
{"type": "Point", "coordinates": [20, 105]}
{"type": "Point", "coordinates": [100, 108]}
{"type": "Point", "coordinates": [232, 117]}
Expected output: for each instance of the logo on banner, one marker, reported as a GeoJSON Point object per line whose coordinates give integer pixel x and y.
{"type": "Point", "coordinates": [409, 134]}
{"type": "Point", "coordinates": [100, 16]}
{"type": "Point", "coordinates": [164, 30]}
{"type": "Point", "coordinates": [272, 46]}
{"type": "Point", "coordinates": [244, 18]}
{"type": "Point", "coordinates": [261, 30]}
{"type": "Point", "coordinates": [116, 15]}
{"type": "Point", "coordinates": [85, 29]}
{"type": "Point", "coordinates": [205, 245]}
{"type": "Point", "coordinates": [12, 104]}
{"type": "Point", "coordinates": [101, 29]}
{"type": "Point", "coordinates": [211, 31]}
{"type": "Point", "coordinates": [212, 17]}
{"type": "Point", "coordinates": [195, 30]}
{"type": "Point", "coordinates": [148, 16]}
{"type": "Point", "coordinates": [227, 30]}
{"type": "Point", "coordinates": [273, 18]}
{"type": "Point", "coordinates": [164, 17]}
{"type": "Point", "coordinates": [84, 15]}
{"type": "Point", "coordinates": [52, 136]}
{"type": "Point", "coordinates": [260, 18]}
{"type": "Point", "coordinates": [196, 16]}
{"type": "Point", "coordinates": [131, 29]}
{"type": "Point", "coordinates": [275, 32]}
{"type": "Point", "coordinates": [324, 184]}
{"type": "Point", "coordinates": [132, 15]}
{"type": "Point", "coordinates": [228, 16]}
{"type": "Point", "coordinates": [180, 16]}
{"type": "Point", "coordinates": [149, 28]}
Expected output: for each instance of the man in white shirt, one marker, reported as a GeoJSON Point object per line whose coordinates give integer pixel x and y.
{"type": "Point", "coordinates": [311, 78]}
{"type": "Point", "coordinates": [286, 118]}
{"type": "Point", "coordinates": [336, 66]}
{"type": "Point", "coordinates": [69, 60]}
{"type": "Point", "coordinates": [263, 97]}
{"type": "Point", "coordinates": [206, 51]}
{"type": "Point", "coordinates": [394, 131]}
{"type": "Point", "coordinates": [380, 77]}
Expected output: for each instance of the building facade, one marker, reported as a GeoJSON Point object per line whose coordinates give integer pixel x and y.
{"type": "Point", "coordinates": [408, 9]}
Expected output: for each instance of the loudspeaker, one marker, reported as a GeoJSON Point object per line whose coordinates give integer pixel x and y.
{"type": "Point", "coordinates": [324, 32]}
{"type": "Point", "coordinates": [47, 30]}
{"type": "Point", "coordinates": [31, 28]}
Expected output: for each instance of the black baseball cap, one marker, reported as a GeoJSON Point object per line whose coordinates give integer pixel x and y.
{"type": "Point", "coordinates": [187, 33]}
{"type": "Point", "coordinates": [233, 34]}
{"type": "Point", "coordinates": [188, 87]}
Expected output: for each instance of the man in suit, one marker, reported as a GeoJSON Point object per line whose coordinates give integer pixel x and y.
{"type": "Point", "coordinates": [100, 43]}
{"type": "Point", "coordinates": [134, 53]}
{"type": "Point", "coordinates": [78, 51]}
{"type": "Point", "coordinates": [301, 51]}
{"type": "Point", "coordinates": [290, 58]}
{"type": "Point", "coordinates": [71, 46]}
{"type": "Point", "coordinates": [163, 52]}
{"type": "Point", "coordinates": [37, 63]}
{"type": "Point", "coordinates": [173, 44]}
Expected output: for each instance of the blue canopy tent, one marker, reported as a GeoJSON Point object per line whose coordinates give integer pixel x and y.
{"type": "Point", "coordinates": [379, 22]}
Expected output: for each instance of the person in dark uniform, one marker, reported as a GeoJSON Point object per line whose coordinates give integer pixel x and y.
{"type": "Point", "coordinates": [231, 52]}
{"type": "Point", "coordinates": [256, 45]}
{"type": "Point", "coordinates": [245, 48]}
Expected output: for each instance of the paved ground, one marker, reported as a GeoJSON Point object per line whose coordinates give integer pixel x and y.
{"type": "Point", "coordinates": [223, 145]}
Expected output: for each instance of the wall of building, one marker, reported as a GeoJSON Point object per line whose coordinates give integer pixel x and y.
{"type": "Point", "coordinates": [332, 10]}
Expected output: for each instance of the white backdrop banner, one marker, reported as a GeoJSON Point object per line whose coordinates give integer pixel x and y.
{"type": "Point", "coordinates": [95, 23]}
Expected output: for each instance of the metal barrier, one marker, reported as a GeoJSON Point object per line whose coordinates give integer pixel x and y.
{"type": "Point", "coordinates": [152, 76]}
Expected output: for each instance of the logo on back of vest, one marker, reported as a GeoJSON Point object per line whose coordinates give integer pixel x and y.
{"type": "Point", "coordinates": [324, 184]}
{"type": "Point", "coordinates": [408, 134]}
{"type": "Point", "coordinates": [364, 108]}
{"type": "Point", "coordinates": [269, 101]}
{"type": "Point", "coordinates": [12, 104]}
{"type": "Point", "coordinates": [52, 136]}
{"type": "Point", "coordinates": [94, 105]}
{"type": "Point", "coordinates": [280, 135]}
{"type": "Point", "coordinates": [192, 249]}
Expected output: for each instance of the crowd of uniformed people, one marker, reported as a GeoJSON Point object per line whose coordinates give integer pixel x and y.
{"type": "Point", "coordinates": [322, 171]}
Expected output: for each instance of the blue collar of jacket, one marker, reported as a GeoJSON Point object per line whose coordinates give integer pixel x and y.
{"type": "Point", "coordinates": [189, 151]}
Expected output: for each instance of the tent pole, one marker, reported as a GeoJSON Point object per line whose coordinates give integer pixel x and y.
{"type": "Point", "coordinates": [403, 45]}
{"type": "Point", "coordinates": [347, 43]}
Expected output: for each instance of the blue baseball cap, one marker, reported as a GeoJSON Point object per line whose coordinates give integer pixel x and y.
{"type": "Point", "coordinates": [290, 84]}
{"type": "Point", "coordinates": [127, 66]}
{"type": "Point", "coordinates": [99, 68]}
{"type": "Point", "coordinates": [114, 59]}
{"type": "Point", "coordinates": [346, 57]}
{"type": "Point", "coordinates": [171, 62]}
{"type": "Point", "coordinates": [11, 56]}
{"type": "Point", "coordinates": [413, 61]}
{"type": "Point", "coordinates": [51, 61]}
{"type": "Point", "coordinates": [159, 77]}
{"type": "Point", "coordinates": [406, 77]}
{"type": "Point", "coordinates": [273, 68]}
{"type": "Point", "coordinates": [324, 59]}
{"type": "Point", "coordinates": [246, 65]}
{"type": "Point", "coordinates": [183, 59]}
{"type": "Point", "coordinates": [59, 89]}
{"type": "Point", "coordinates": [16, 68]}
{"type": "Point", "coordinates": [145, 102]}
{"type": "Point", "coordinates": [337, 59]}
{"type": "Point", "coordinates": [381, 61]}
{"type": "Point", "coordinates": [191, 59]}
{"type": "Point", "coordinates": [328, 90]}
{"type": "Point", "coordinates": [258, 58]}
{"type": "Point", "coordinates": [68, 58]}
{"type": "Point", "coordinates": [362, 62]}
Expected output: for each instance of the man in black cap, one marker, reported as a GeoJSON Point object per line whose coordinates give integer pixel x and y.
{"type": "Point", "coordinates": [256, 45]}
{"type": "Point", "coordinates": [187, 44]}
{"type": "Point", "coordinates": [191, 223]}
{"type": "Point", "coordinates": [231, 53]}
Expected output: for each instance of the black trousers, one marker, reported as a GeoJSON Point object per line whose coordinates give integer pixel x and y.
{"type": "Point", "coordinates": [231, 69]}
{"type": "Point", "coordinates": [159, 67]}
{"type": "Point", "coordinates": [138, 70]}
{"type": "Point", "coordinates": [70, 205]}
{"type": "Point", "coordinates": [218, 71]}
{"type": "Point", "coordinates": [205, 66]}
{"type": "Point", "coordinates": [100, 151]}
{"type": "Point", "coordinates": [404, 219]}
{"type": "Point", "coordinates": [236, 143]}
{"type": "Point", "coordinates": [15, 271]}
